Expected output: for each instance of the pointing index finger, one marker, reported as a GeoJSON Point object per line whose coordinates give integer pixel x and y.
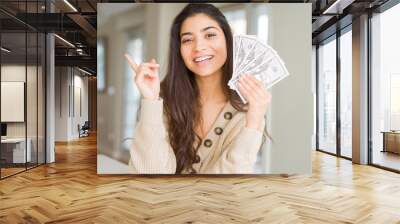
{"type": "Point", "coordinates": [131, 62]}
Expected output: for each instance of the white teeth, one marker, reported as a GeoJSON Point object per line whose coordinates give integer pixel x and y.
{"type": "Point", "coordinates": [199, 59]}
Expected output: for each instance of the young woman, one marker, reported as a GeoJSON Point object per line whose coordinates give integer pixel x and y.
{"type": "Point", "coordinates": [193, 122]}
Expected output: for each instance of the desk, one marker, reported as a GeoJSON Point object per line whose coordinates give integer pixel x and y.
{"type": "Point", "coordinates": [15, 148]}
{"type": "Point", "coordinates": [391, 141]}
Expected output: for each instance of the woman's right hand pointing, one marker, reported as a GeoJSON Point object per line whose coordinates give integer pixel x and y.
{"type": "Point", "coordinates": [146, 78]}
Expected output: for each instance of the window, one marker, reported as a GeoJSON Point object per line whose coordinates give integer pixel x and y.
{"type": "Point", "coordinates": [237, 20]}
{"type": "Point", "coordinates": [240, 22]}
{"type": "Point", "coordinates": [346, 94]}
{"type": "Point", "coordinates": [395, 101]}
{"type": "Point", "coordinates": [385, 85]}
{"type": "Point", "coordinates": [135, 48]}
{"type": "Point", "coordinates": [262, 22]}
{"type": "Point", "coordinates": [327, 96]}
{"type": "Point", "coordinates": [101, 83]}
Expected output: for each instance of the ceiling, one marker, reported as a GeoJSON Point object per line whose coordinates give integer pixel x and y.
{"type": "Point", "coordinates": [79, 27]}
{"type": "Point", "coordinates": [332, 15]}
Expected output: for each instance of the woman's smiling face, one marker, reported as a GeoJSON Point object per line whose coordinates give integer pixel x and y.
{"type": "Point", "coordinates": [203, 45]}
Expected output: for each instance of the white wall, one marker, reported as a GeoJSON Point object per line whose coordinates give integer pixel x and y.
{"type": "Point", "coordinates": [80, 82]}
{"type": "Point", "coordinates": [14, 73]}
{"type": "Point", "coordinates": [33, 126]}
{"type": "Point", "coordinates": [61, 103]}
{"type": "Point", "coordinates": [291, 118]}
{"type": "Point", "coordinates": [68, 81]}
{"type": "Point", "coordinates": [17, 73]}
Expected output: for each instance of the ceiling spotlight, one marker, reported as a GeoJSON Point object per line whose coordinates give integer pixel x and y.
{"type": "Point", "coordinates": [86, 72]}
{"type": "Point", "coordinates": [64, 40]}
{"type": "Point", "coordinates": [337, 6]}
{"type": "Point", "coordinates": [70, 5]}
{"type": "Point", "coordinates": [5, 50]}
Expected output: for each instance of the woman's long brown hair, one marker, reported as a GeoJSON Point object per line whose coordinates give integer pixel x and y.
{"type": "Point", "coordinates": [180, 92]}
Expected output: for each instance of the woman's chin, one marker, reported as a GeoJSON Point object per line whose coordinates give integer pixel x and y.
{"type": "Point", "coordinates": [204, 73]}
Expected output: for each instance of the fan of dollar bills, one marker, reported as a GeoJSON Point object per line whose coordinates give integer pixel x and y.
{"type": "Point", "coordinates": [253, 57]}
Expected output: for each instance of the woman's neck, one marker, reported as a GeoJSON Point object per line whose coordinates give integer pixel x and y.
{"type": "Point", "coordinates": [210, 88]}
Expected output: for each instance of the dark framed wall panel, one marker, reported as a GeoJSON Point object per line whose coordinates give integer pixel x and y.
{"type": "Point", "coordinates": [24, 61]}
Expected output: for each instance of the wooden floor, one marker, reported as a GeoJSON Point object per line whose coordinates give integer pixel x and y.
{"type": "Point", "coordinates": [10, 171]}
{"type": "Point", "coordinates": [387, 159]}
{"type": "Point", "coordinates": [70, 191]}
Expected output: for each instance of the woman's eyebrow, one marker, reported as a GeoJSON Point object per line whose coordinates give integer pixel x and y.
{"type": "Point", "coordinates": [202, 30]}
{"type": "Point", "coordinates": [208, 27]}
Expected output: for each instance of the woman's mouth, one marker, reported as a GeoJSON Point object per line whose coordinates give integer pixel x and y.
{"type": "Point", "coordinates": [203, 59]}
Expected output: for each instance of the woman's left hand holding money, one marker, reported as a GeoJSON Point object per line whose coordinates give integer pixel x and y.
{"type": "Point", "coordinates": [258, 99]}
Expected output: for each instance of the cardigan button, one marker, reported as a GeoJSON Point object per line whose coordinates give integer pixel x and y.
{"type": "Point", "coordinates": [208, 143]}
{"type": "Point", "coordinates": [228, 115]}
{"type": "Point", "coordinates": [218, 130]}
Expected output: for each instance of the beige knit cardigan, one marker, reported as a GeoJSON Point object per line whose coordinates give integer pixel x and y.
{"type": "Point", "coordinates": [228, 148]}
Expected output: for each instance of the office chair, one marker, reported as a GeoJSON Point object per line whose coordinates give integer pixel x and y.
{"type": "Point", "coordinates": [84, 130]}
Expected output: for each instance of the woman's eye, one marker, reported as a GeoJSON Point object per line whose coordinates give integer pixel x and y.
{"type": "Point", "coordinates": [211, 35]}
{"type": "Point", "coordinates": [185, 40]}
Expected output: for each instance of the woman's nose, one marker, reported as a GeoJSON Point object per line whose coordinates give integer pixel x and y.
{"type": "Point", "coordinates": [200, 45]}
